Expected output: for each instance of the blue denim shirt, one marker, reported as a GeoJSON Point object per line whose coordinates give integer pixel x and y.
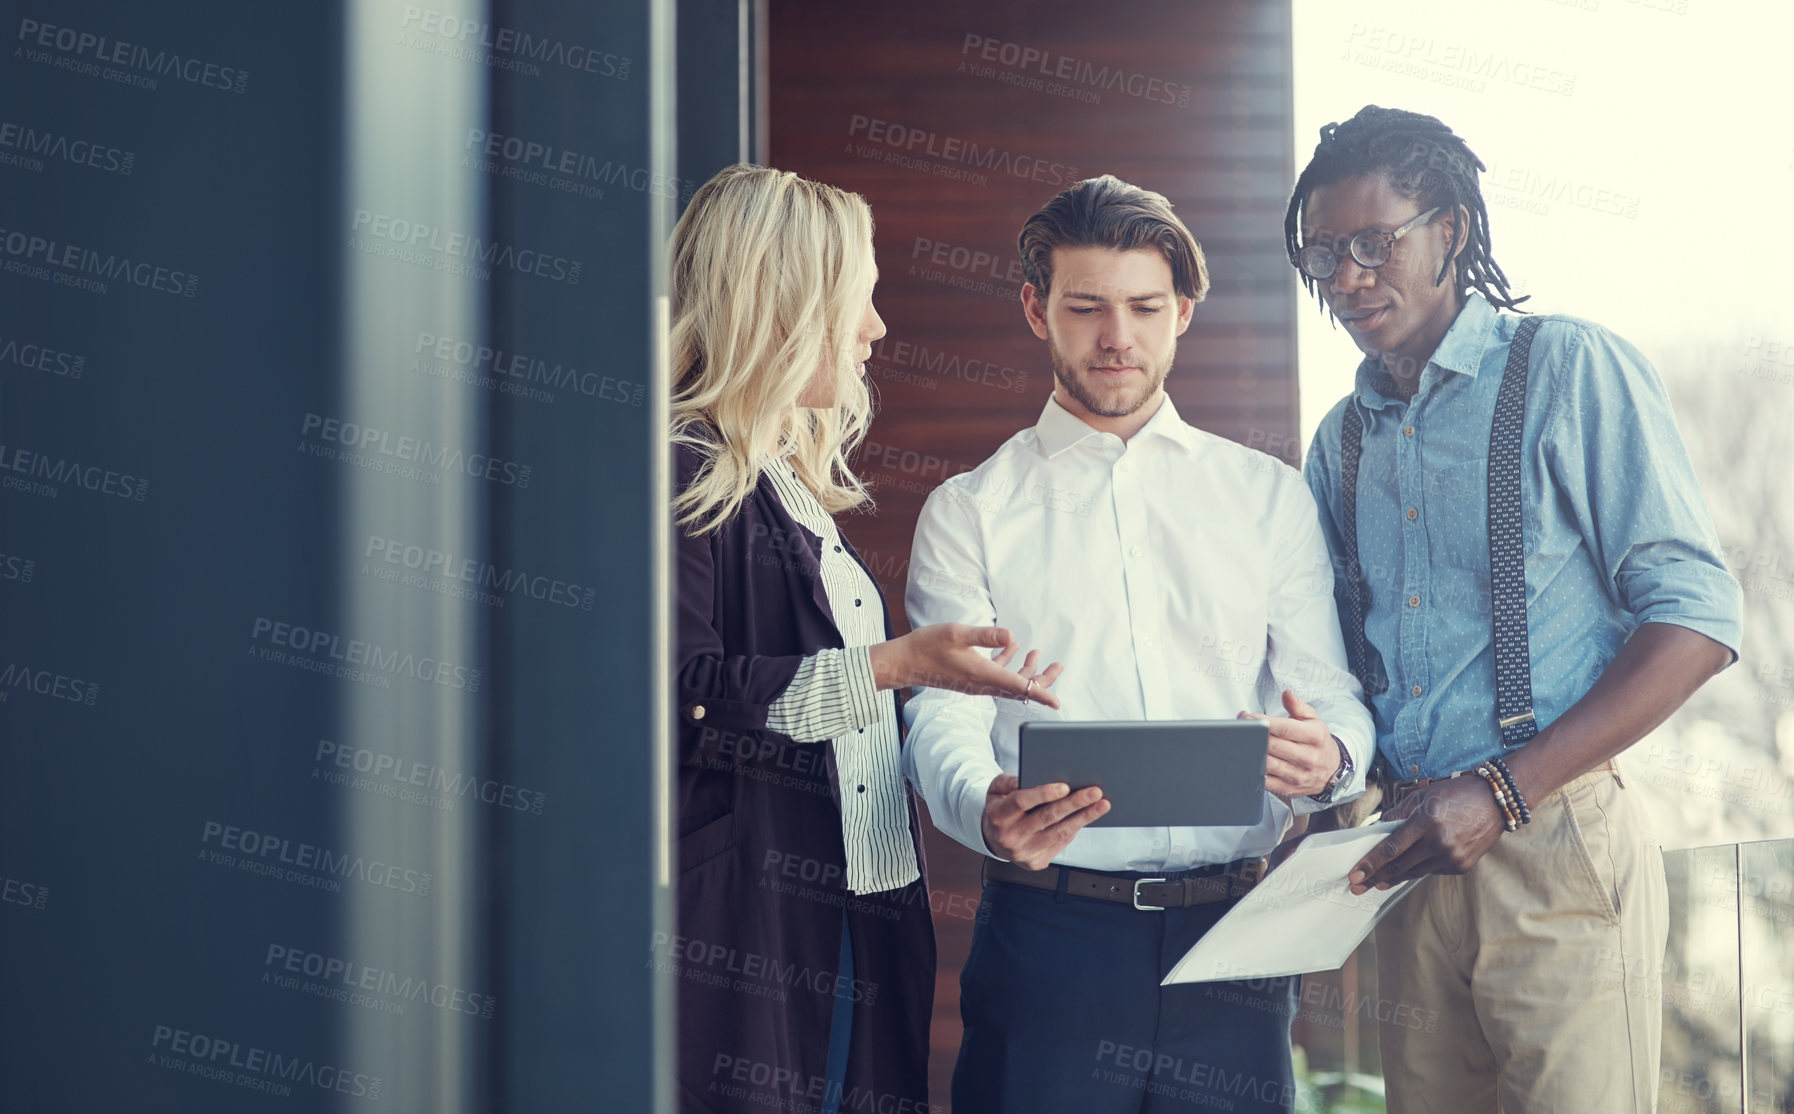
{"type": "Point", "coordinates": [1617, 533]}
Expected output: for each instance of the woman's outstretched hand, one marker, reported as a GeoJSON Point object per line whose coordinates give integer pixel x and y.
{"type": "Point", "coordinates": [957, 657]}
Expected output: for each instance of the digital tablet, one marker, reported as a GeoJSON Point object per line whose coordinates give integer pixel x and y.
{"type": "Point", "coordinates": [1192, 773]}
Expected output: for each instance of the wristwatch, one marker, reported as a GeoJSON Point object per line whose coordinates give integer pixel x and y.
{"type": "Point", "coordinates": [1340, 775]}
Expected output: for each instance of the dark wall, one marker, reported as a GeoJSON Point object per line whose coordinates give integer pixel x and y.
{"type": "Point", "coordinates": [327, 759]}
{"type": "Point", "coordinates": [152, 487]}
{"type": "Point", "coordinates": [906, 104]}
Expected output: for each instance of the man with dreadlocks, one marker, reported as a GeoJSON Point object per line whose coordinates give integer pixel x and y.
{"type": "Point", "coordinates": [1528, 582]}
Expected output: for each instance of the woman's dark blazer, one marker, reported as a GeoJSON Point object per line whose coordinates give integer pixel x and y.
{"type": "Point", "coordinates": [760, 857]}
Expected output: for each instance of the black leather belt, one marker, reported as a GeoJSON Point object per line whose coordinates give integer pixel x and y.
{"type": "Point", "coordinates": [1146, 892]}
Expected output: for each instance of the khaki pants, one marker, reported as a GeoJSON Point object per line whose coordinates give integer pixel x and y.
{"type": "Point", "coordinates": [1537, 974]}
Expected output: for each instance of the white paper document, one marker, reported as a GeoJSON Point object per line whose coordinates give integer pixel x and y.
{"type": "Point", "coordinates": [1301, 918]}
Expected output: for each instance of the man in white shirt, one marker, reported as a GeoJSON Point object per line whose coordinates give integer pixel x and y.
{"type": "Point", "coordinates": [1178, 576]}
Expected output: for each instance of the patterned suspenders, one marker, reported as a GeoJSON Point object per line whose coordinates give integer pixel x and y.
{"type": "Point", "coordinates": [1507, 551]}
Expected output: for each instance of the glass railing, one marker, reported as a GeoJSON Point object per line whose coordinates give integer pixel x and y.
{"type": "Point", "coordinates": [1727, 982]}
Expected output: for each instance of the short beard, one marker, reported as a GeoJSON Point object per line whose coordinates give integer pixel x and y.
{"type": "Point", "coordinates": [1067, 378]}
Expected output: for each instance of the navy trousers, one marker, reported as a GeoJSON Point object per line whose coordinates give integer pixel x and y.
{"type": "Point", "coordinates": [1063, 1011]}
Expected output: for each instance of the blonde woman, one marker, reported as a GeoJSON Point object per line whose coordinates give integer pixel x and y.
{"type": "Point", "coordinates": [805, 952]}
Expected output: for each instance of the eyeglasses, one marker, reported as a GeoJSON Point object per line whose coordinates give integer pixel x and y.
{"type": "Point", "coordinates": [1369, 249]}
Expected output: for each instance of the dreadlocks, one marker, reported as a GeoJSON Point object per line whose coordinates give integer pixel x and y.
{"type": "Point", "coordinates": [1423, 161]}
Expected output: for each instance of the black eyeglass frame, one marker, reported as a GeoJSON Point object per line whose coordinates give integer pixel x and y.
{"type": "Point", "coordinates": [1385, 239]}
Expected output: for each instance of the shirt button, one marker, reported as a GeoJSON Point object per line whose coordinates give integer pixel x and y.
{"type": "Point", "coordinates": [837, 549]}
{"type": "Point", "coordinates": [1136, 551]}
{"type": "Point", "coordinates": [856, 603]}
{"type": "Point", "coordinates": [1407, 431]}
{"type": "Point", "coordinates": [1149, 641]}
{"type": "Point", "coordinates": [1413, 601]}
{"type": "Point", "coordinates": [862, 788]}
{"type": "Point", "coordinates": [1413, 514]}
{"type": "Point", "coordinates": [1415, 690]}
{"type": "Point", "coordinates": [697, 711]}
{"type": "Point", "coordinates": [1415, 770]}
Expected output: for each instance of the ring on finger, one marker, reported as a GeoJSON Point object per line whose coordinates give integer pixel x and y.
{"type": "Point", "coordinates": [1028, 691]}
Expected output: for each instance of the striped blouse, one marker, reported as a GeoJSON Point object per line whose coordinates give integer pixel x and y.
{"type": "Point", "coordinates": [834, 699]}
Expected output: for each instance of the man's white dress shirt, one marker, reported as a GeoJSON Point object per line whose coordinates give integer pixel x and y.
{"type": "Point", "coordinates": [1177, 575]}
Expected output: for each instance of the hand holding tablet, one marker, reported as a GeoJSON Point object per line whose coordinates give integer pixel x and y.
{"type": "Point", "coordinates": [1029, 826]}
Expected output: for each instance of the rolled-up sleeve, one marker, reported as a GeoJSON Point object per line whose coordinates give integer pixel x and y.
{"type": "Point", "coordinates": [1617, 457]}
{"type": "Point", "coordinates": [832, 694]}
{"type": "Point", "coordinates": [948, 755]}
{"type": "Point", "coordinates": [1306, 653]}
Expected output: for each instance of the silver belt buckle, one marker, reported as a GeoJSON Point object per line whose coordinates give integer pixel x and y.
{"type": "Point", "coordinates": [1138, 882]}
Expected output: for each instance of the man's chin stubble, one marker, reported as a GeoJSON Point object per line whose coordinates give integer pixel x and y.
{"type": "Point", "coordinates": [1103, 408]}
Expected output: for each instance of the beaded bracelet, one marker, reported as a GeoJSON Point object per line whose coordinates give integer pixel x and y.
{"type": "Point", "coordinates": [1509, 820]}
{"type": "Point", "coordinates": [1513, 790]}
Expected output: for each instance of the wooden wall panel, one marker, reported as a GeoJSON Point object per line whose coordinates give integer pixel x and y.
{"type": "Point", "coordinates": [959, 371]}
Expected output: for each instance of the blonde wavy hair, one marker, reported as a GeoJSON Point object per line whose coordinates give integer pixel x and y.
{"type": "Point", "coordinates": [769, 277]}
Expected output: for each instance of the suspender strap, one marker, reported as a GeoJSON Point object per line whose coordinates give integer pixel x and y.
{"type": "Point", "coordinates": [1350, 590]}
{"type": "Point", "coordinates": [1507, 548]}
{"type": "Point", "coordinates": [1507, 552]}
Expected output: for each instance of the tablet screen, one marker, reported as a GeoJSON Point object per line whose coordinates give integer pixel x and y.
{"type": "Point", "coordinates": [1197, 773]}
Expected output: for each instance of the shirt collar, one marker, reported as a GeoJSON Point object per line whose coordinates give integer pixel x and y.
{"type": "Point", "coordinates": [1460, 350]}
{"type": "Point", "coordinates": [1059, 429]}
